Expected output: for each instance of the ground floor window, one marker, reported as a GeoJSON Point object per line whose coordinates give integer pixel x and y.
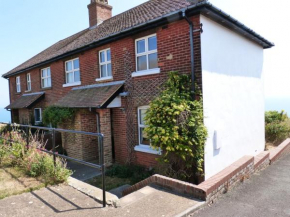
{"type": "Point", "coordinates": [37, 115]}
{"type": "Point", "coordinates": [143, 138]}
{"type": "Point", "coordinates": [144, 141]}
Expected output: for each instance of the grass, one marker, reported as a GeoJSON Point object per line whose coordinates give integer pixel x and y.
{"type": "Point", "coordinates": [119, 175]}
{"type": "Point", "coordinates": [14, 181]}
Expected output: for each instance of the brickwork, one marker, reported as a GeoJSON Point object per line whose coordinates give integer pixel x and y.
{"type": "Point", "coordinates": [173, 55]}
{"type": "Point", "coordinates": [280, 151]}
{"type": "Point", "coordinates": [99, 11]}
{"type": "Point", "coordinates": [81, 146]}
{"type": "Point", "coordinates": [262, 161]}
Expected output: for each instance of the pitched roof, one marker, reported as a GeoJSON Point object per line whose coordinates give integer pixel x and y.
{"type": "Point", "coordinates": [91, 96]}
{"type": "Point", "coordinates": [25, 101]}
{"type": "Point", "coordinates": [143, 14]}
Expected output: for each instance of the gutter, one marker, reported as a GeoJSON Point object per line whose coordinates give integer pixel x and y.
{"type": "Point", "coordinates": [165, 19]}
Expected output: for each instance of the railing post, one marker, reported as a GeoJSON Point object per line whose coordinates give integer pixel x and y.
{"type": "Point", "coordinates": [27, 137]}
{"type": "Point", "coordinates": [103, 169]}
{"type": "Point", "coordinates": [10, 131]}
{"type": "Point", "coordinates": [53, 146]}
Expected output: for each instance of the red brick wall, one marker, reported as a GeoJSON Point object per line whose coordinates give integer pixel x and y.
{"type": "Point", "coordinates": [173, 54]}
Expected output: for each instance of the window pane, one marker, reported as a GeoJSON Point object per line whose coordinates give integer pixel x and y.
{"type": "Point", "coordinates": [49, 82]}
{"type": "Point", "coordinates": [48, 72]}
{"type": "Point", "coordinates": [76, 64]}
{"type": "Point", "coordinates": [70, 77]}
{"type": "Point", "coordinates": [109, 69]}
{"type": "Point", "coordinates": [103, 71]}
{"type": "Point", "coordinates": [142, 113]}
{"type": "Point", "coordinates": [68, 66]}
{"type": "Point", "coordinates": [102, 57]}
{"type": "Point", "coordinates": [152, 43]}
{"type": "Point", "coordinates": [144, 137]}
{"type": "Point", "coordinates": [141, 46]}
{"type": "Point", "coordinates": [37, 115]}
{"type": "Point", "coordinates": [141, 63]}
{"type": "Point", "coordinates": [45, 82]}
{"type": "Point", "coordinates": [77, 76]}
{"type": "Point", "coordinates": [108, 55]}
{"type": "Point", "coordinates": [153, 62]}
{"type": "Point", "coordinates": [43, 74]}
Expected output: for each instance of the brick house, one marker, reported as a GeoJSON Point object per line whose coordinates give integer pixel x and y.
{"type": "Point", "coordinates": [111, 71]}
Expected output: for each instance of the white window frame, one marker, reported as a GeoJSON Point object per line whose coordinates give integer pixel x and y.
{"type": "Point", "coordinates": [28, 82]}
{"type": "Point", "coordinates": [40, 115]}
{"type": "Point", "coordinates": [74, 83]}
{"type": "Point", "coordinates": [142, 147]}
{"type": "Point", "coordinates": [47, 77]}
{"type": "Point", "coordinates": [147, 53]}
{"type": "Point", "coordinates": [107, 77]}
{"type": "Point", "coordinates": [18, 84]}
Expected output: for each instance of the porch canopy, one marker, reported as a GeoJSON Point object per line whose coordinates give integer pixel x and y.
{"type": "Point", "coordinates": [26, 101]}
{"type": "Point", "coordinates": [92, 96]}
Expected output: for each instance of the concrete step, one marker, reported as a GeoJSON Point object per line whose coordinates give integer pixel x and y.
{"type": "Point", "coordinates": [119, 191]}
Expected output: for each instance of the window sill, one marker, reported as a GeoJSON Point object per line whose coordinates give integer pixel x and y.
{"type": "Point", "coordinates": [46, 88]}
{"type": "Point", "coordinates": [27, 91]}
{"type": "Point", "coordinates": [148, 150]}
{"type": "Point", "coordinates": [105, 78]}
{"type": "Point", "coordinates": [72, 84]}
{"type": "Point", "coordinates": [146, 72]}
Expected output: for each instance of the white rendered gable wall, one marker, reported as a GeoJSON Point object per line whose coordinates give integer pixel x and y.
{"type": "Point", "coordinates": [233, 96]}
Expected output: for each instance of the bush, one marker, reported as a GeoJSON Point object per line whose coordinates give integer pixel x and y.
{"type": "Point", "coordinates": [277, 126]}
{"type": "Point", "coordinates": [175, 125]}
{"type": "Point", "coordinates": [32, 161]}
{"type": "Point", "coordinates": [55, 115]}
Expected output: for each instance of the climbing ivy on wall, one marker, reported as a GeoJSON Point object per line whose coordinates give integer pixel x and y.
{"type": "Point", "coordinates": [55, 115]}
{"type": "Point", "coordinates": [175, 125]}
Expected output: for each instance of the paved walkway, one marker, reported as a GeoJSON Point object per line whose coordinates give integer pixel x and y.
{"type": "Point", "coordinates": [64, 201]}
{"type": "Point", "coordinates": [265, 195]}
{"type": "Point", "coordinates": [82, 172]}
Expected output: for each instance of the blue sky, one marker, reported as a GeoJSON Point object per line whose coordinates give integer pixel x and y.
{"type": "Point", "coordinates": [30, 26]}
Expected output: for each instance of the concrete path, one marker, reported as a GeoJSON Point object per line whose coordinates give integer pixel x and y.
{"type": "Point", "coordinates": [65, 201]}
{"type": "Point", "coordinates": [266, 194]}
{"type": "Point", "coordinates": [82, 172]}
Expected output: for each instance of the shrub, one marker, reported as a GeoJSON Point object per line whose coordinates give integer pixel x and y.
{"type": "Point", "coordinates": [175, 125]}
{"type": "Point", "coordinates": [32, 161]}
{"type": "Point", "coordinates": [277, 126]}
{"type": "Point", "coordinates": [55, 115]}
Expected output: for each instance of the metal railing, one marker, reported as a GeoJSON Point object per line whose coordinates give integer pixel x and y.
{"type": "Point", "coordinates": [100, 136]}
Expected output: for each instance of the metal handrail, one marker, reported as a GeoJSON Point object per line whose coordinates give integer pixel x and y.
{"type": "Point", "coordinates": [100, 167]}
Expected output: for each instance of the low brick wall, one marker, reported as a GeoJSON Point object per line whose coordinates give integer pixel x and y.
{"type": "Point", "coordinates": [280, 151]}
{"type": "Point", "coordinates": [222, 182]}
{"type": "Point", "coordinates": [261, 161]}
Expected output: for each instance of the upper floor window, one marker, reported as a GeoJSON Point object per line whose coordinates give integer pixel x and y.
{"type": "Point", "coordinates": [72, 71]}
{"type": "Point", "coordinates": [146, 53]}
{"type": "Point", "coordinates": [18, 85]}
{"type": "Point", "coordinates": [105, 64]}
{"type": "Point", "coordinates": [28, 82]}
{"type": "Point", "coordinates": [45, 78]}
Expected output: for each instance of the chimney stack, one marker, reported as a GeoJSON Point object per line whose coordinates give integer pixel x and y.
{"type": "Point", "coordinates": [99, 11]}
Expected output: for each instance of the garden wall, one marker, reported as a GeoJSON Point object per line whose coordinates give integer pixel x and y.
{"type": "Point", "coordinates": [222, 182]}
